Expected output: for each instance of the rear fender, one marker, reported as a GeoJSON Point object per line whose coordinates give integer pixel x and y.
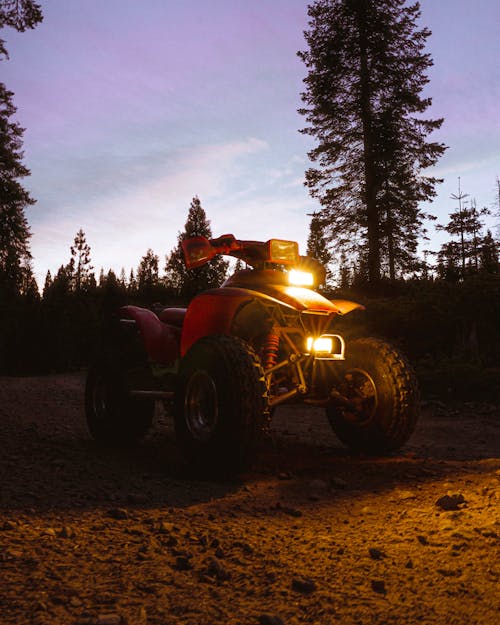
{"type": "Point", "coordinates": [161, 340]}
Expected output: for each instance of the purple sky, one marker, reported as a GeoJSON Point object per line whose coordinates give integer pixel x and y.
{"type": "Point", "coordinates": [132, 108]}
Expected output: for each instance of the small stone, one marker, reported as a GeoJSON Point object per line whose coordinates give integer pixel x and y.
{"type": "Point", "coordinates": [449, 572]}
{"type": "Point", "coordinates": [378, 585]}
{"type": "Point", "coordinates": [216, 569]}
{"type": "Point", "coordinates": [422, 540]}
{"type": "Point", "coordinates": [409, 564]}
{"type": "Point", "coordinates": [119, 514]}
{"type": "Point", "coordinates": [50, 532]}
{"type": "Point", "coordinates": [8, 525]}
{"type": "Point", "coordinates": [182, 563]}
{"type": "Point", "coordinates": [376, 554]}
{"type": "Point", "coordinates": [270, 619]}
{"type": "Point", "coordinates": [285, 475]}
{"type": "Point", "coordinates": [166, 527]}
{"type": "Point", "coordinates": [67, 532]}
{"type": "Point", "coordinates": [450, 502]}
{"type": "Point", "coordinates": [303, 585]}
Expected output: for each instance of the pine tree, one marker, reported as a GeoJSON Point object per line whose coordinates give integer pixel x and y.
{"type": "Point", "coordinates": [28, 287]}
{"type": "Point", "coordinates": [14, 199]}
{"type": "Point", "coordinates": [48, 284]}
{"type": "Point", "coordinates": [489, 257]}
{"type": "Point", "coordinates": [80, 252]}
{"type": "Point", "coordinates": [366, 70]}
{"type": "Point", "coordinates": [317, 246]}
{"type": "Point", "coordinates": [465, 224]}
{"type": "Point", "coordinates": [132, 284]}
{"type": "Point", "coordinates": [14, 230]}
{"type": "Point", "coordinates": [187, 283]}
{"type": "Point", "coordinates": [148, 276]}
{"type": "Point", "coordinates": [448, 262]}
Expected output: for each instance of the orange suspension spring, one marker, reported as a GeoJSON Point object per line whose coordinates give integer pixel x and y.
{"type": "Point", "coordinates": [270, 349]}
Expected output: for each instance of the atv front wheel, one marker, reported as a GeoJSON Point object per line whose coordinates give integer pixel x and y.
{"type": "Point", "coordinates": [220, 404]}
{"type": "Point", "coordinates": [113, 417]}
{"type": "Point", "coordinates": [376, 408]}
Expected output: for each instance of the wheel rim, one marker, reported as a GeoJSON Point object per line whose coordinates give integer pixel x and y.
{"type": "Point", "coordinates": [201, 406]}
{"type": "Point", "coordinates": [362, 392]}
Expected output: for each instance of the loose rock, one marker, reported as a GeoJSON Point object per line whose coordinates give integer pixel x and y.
{"type": "Point", "coordinates": [450, 502]}
{"type": "Point", "coordinates": [119, 514]}
{"type": "Point", "coordinates": [303, 585]}
{"type": "Point", "coordinates": [378, 585]}
{"type": "Point", "coordinates": [216, 569]}
{"type": "Point", "coordinates": [376, 554]}
{"type": "Point", "coordinates": [270, 619]}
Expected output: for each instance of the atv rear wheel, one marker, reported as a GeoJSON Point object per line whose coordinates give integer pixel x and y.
{"type": "Point", "coordinates": [382, 398]}
{"type": "Point", "coordinates": [113, 417]}
{"type": "Point", "coordinates": [220, 404]}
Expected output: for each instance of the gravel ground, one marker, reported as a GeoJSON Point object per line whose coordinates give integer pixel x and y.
{"type": "Point", "coordinates": [313, 534]}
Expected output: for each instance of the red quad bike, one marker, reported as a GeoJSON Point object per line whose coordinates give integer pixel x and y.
{"type": "Point", "coordinates": [262, 339]}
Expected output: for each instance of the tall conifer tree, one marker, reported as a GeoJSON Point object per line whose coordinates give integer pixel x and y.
{"type": "Point", "coordinates": [187, 283]}
{"type": "Point", "coordinates": [80, 252]}
{"type": "Point", "coordinates": [366, 70]}
{"type": "Point", "coordinates": [14, 231]}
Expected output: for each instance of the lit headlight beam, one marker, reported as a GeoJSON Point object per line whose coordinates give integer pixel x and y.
{"type": "Point", "coordinates": [300, 278]}
{"type": "Point", "coordinates": [322, 347]}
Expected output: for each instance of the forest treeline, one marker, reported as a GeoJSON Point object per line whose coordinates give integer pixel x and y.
{"type": "Point", "coordinates": [447, 324]}
{"type": "Point", "coordinates": [449, 330]}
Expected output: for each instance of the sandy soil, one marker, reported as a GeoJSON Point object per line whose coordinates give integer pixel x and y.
{"type": "Point", "coordinates": [313, 534]}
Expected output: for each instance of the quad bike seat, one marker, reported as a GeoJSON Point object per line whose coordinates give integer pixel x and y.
{"type": "Point", "coordinates": [172, 316]}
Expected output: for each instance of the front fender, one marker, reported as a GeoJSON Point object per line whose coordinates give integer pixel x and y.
{"type": "Point", "coordinates": [211, 312]}
{"type": "Point", "coordinates": [214, 311]}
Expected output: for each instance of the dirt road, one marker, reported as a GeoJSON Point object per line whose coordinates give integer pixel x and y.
{"type": "Point", "coordinates": [311, 535]}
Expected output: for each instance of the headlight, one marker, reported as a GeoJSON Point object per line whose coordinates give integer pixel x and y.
{"type": "Point", "coordinates": [322, 345]}
{"type": "Point", "coordinates": [326, 347]}
{"type": "Point", "coordinates": [300, 278]}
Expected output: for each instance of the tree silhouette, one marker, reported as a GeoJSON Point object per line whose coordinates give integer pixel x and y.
{"type": "Point", "coordinates": [366, 70]}
{"type": "Point", "coordinates": [489, 257]}
{"type": "Point", "coordinates": [187, 283]}
{"type": "Point", "coordinates": [14, 230]}
{"type": "Point", "coordinates": [80, 252]}
{"type": "Point", "coordinates": [317, 246]}
{"type": "Point", "coordinates": [148, 277]}
{"type": "Point", "coordinates": [465, 224]}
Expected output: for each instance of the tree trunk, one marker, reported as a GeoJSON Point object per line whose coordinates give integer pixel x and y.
{"type": "Point", "coordinates": [369, 165]}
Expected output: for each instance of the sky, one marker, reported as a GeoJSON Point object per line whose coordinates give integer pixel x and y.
{"type": "Point", "coordinates": [133, 108]}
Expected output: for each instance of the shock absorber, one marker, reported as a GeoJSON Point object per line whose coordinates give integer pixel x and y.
{"type": "Point", "coordinates": [270, 348]}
